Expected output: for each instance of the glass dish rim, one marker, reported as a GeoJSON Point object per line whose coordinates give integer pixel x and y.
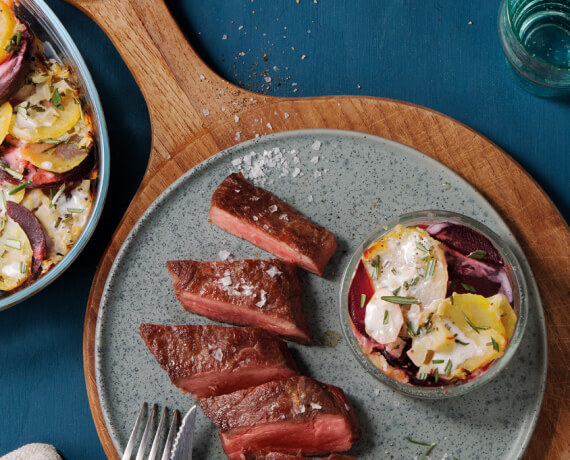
{"type": "Point", "coordinates": [520, 288]}
{"type": "Point", "coordinates": [53, 27]}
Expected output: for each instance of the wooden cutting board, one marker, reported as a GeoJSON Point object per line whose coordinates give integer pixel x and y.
{"type": "Point", "coordinates": [202, 124]}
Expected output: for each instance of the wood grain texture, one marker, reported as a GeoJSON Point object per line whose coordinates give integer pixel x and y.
{"type": "Point", "coordinates": [201, 123]}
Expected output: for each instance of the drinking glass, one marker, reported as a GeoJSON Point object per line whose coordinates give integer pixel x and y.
{"type": "Point", "coordinates": [535, 36]}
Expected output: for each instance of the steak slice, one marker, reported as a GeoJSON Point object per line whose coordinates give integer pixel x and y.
{"type": "Point", "coordinates": [282, 456]}
{"type": "Point", "coordinates": [265, 293]}
{"type": "Point", "coordinates": [214, 360]}
{"type": "Point", "coordinates": [254, 214]}
{"type": "Point", "coordinates": [298, 415]}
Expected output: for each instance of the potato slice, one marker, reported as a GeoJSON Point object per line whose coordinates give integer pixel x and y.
{"type": "Point", "coordinates": [502, 307]}
{"type": "Point", "coordinates": [7, 26]}
{"type": "Point", "coordinates": [468, 310]}
{"type": "Point", "coordinates": [5, 117]}
{"type": "Point", "coordinates": [56, 158]}
{"type": "Point", "coordinates": [5, 196]}
{"type": "Point", "coordinates": [33, 126]}
{"type": "Point", "coordinates": [16, 260]}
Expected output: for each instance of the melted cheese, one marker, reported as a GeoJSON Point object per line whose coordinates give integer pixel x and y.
{"type": "Point", "coordinates": [16, 260]}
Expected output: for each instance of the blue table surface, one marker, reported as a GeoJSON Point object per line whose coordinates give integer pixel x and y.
{"type": "Point", "coordinates": [444, 55]}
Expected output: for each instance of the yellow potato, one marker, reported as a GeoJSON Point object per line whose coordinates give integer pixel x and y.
{"type": "Point", "coordinates": [16, 262]}
{"type": "Point", "coordinates": [7, 25]}
{"type": "Point", "coordinates": [5, 116]}
{"type": "Point", "coordinates": [472, 307]}
{"type": "Point", "coordinates": [53, 158]}
{"type": "Point", "coordinates": [51, 124]}
{"type": "Point", "coordinates": [501, 305]}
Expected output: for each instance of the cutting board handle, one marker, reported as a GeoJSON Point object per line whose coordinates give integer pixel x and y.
{"type": "Point", "coordinates": [183, 95]}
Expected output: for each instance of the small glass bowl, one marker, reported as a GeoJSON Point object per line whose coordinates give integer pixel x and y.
{"type": "Point", "coordinates": [514, 273]}
{"type": "Point", "coordinates": [58, 44]}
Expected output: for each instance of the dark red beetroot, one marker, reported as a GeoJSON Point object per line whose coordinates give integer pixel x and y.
{"type": "Point", "coordinates": [14, 69]}
{"type": "Point", "coordinates": [265, 293]}
{"type": "Point", "coordinates": [214, 360]}
{"type": "Point", "coordinates": [298, 415]}
{"type": "Point", "coordinates": [254, 214]}
{"type": "Point", "coordinates": [34, 231]}
{"type": "Point", "coordinates": [281, 456]}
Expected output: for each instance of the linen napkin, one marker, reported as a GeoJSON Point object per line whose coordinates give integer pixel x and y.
{"type": "Point", "coordinates": [35, 451]}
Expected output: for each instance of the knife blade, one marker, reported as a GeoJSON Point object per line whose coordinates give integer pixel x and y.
{"type": "Point", "coordinates": [182, 449]}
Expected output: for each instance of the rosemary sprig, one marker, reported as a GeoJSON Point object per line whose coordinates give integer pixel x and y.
{"type": "Point", "coordinates": [14, 174]}
{"type": "Point", "coordinates": [448, 367]}
{"type": "Point", "coordinates": [19, 187]}
{"type": "Point", "coordinates": [386, 317]}
{"type": "Point", "coordinates": [362, 300]}
{"type": "Point", "coordinates": [421, 247]}
{"type": "Point", "coordinates": [430, 446]}
{"type": "Point", "coordinates": [399, 300]}
{"type": "Point", "coordinates": [495, 344]}
{"type": "Point", "coordinates": [468, 287]}
{"type": "Point", "coordinates": [475, 328]}
{"type": "Point", "coordinates": [430, 269]}
{"type": "Point", "coordinates": [478, 254]}
{"type": "Point", "coordinates": [56, 99]}
{"type": "Point", "coordinates": [56, 196]}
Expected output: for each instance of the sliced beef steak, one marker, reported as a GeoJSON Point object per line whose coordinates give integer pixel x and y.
{"type": "Point", "coordinates": [298, 415]}
{"type": "Point", "coordinates": [281, 456]}
{"type": "Point", "coordinates": [214, 360]}
{"type": "Point", "coordinates": [265, 293]}
{"type": "Point", "coordinates": [254, 214]}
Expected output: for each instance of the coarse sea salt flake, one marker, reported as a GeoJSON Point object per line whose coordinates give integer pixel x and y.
{"type": "Point", "coordinates": [316, 406]}
{"type": "Point", "coordinates": [224, 255]}
{"type": "Point", "coordinates": [310, 198]}
{"type": "Point", "coordinates": [255, 218]}
{"type": "Point", "coordinates": [268, 79]}
{"type": "Point", "coordinates": [286, 115]}
{"type": "Point", "coordinates": [273, 271]}
{"type": "Point", "coordinates": [295, 172]}
{"type": "Point", "coordinates": [316, 145]}
{"type": "Point", "coordinates": [269, 126]}
{"type": "Point", "coordinates": [238, 135]}
{"type": "Point", "coordinates": [263, 300]}
{"type": "Point", "coordinates": [315, 160]}
{"type": "Point", "coordinates": [226, 281]}
{"type": "Point", "coordinates": [206, 112]}
{"type": "Point", "coordinates": [224, 37]}
{"type": "Point", "coordinates": [218, 355]}
{"type": "Point", "coordinates": [273, 208]}
{"type": "Point", "coordinates": [317, 174]}
{"type": "Point", "coordinates": [284, 217]}
{"type": "Point", "coordinates": [236, 118]}
{"type": "Point", "coordinates": [237, 162]}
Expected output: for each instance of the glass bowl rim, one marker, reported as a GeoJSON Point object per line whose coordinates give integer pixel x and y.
{"type": "Point", "coordinates": [519, 287]}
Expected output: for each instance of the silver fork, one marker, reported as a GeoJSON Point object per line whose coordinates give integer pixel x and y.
{"type": "Point", "coordinates": [147, 434]}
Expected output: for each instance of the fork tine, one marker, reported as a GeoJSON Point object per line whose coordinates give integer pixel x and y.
{"type": "Point", "coordinates": [170, 438]}
{"type": "Point", "coordinates": [157, 436]}
{"type": "Point", "coordinates": [133, 436]}
{"type": "Point", "coordinates": [142, 446]}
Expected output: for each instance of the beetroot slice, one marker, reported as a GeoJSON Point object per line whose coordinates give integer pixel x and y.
{"type": "Point", "coordinates": [14, 69]}
{"type": "Point", "coordinates": [466, 241]}
{"type": "Point", "coordinates": [33, 229]}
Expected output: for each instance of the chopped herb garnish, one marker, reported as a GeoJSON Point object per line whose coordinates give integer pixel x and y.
{"type": "Point", "coordinates": [426, 257]}
{"type": "Point", "coordinates": [422, 376]}
{"type": "Point", "coordinates": [415, 281]}
{"type": "Point", "coordinates": [460, 342]}
{"type": "Point", "coordinates": [448, 367]}
{"type": "Point", "coordinates": [400, 300]}
{"type": "Point", "coordinates": [436, 374]}
{"type": "Point", "coordinates": [14, 174]}
{"type": "Point", "coordinates": [376, 264]}
{"type": "Point", "coordinates": [430, 269]}
{"type": "Point", "coordinates": [468, 287]}
{"type": "Point", "coordinates": [78, 211]}
{"type": "Point", "coordinates": [475, 328]}
{"type": "Point", "coordinates": [57, 195]}
{"type": "Point", "coordinates": [81, 111]}
{"type": "Point", "coordinates": [362, 300]}
{"type": "Point", "coordinates": [23, 267]}
{"type": "Point", "coordinates": [421, 247]}
{"type": "Point", "coordinates": [14, 244]}
{"type": "Point", "coordinates": [495, 344]}
{"type": "Point", "coordinates": [4, 199]}
{"type": "Point", "coordinates": [438, 361]}
{"type": "Point", "coordinates": [394, 272]}
{"type": "Point", "coordinates": [478, 254]}
{"type": "Point", "coordinates": [395, 291]}
{"type": "Point", "coordinates": [19, 187]}
{"type": "Point", "coordinates": [14, 43]}
{"type": "Point", "coordinates": [386, 317]}
{"type": "Point", "coordinates": [430, 446]}
{"type": "Point", "coordinates": [56, 99]}
{"type": "Point", "coordinates": [410, 329]}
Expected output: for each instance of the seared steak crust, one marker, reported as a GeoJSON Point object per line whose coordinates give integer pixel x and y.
{"type": "Point", "coordinates": [213, 360]}
{"type": "Point", "coordinates": [258, 216]}
{"type": "Point", "coordinates": [264, 293]}
{"type": "Point", "coordinates": [288, 415]}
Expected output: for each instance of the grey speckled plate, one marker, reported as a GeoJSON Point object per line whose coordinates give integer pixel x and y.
{"type": "Point", "coordinates": [350, 184]}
